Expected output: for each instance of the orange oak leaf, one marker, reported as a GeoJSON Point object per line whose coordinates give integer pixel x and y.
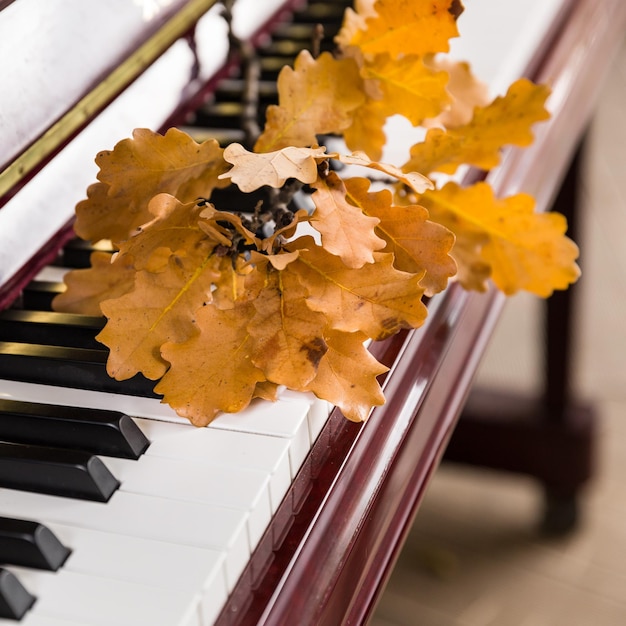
{"type": "Point", "coordinates": [408, 86]}
{"type": "Point", "coordinates": [347, 376]}
{"type": "Point", "coordinates": [376, 299]}
{"type": "Point", "coordinates": [418, 244]}
{"type": "Point", "coordinates": [87, 288]}
{"type": "Point", "coordinates": [287, 336]}
{"type": "Point", "coordinates": [316, 96]}
{"type": "Point", "coordinates": [506, 121]}
{"type": "Point", "coordinates": [345, 230]}
{"type": "Point", "coordinates": [525, 250]}
{"type": "Point", "coordinates": [161, 308]}
{"type": "Point", "coordinates": [213, 370]}
{"type": "Point", "coordinates": [174, 226]}
{"type": "Point", "coordinates": [403, 27]}
{"type": "Point", "coordinates": [139, 168]}
{"type": "Point", "coordinates": [252, 170]}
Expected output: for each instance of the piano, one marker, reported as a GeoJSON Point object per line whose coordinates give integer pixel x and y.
{"type": "Point", "coordinates": [285, 513]}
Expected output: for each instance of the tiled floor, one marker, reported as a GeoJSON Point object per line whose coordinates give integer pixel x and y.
{"type": "Point", "coordinates": [473, 557]}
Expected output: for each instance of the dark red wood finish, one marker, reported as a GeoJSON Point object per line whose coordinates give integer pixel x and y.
{"type": "Point", "coordinates": [336, 547]}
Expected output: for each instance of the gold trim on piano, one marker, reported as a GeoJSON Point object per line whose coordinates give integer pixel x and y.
{"type": "Point", "coordinates": [104, 92]}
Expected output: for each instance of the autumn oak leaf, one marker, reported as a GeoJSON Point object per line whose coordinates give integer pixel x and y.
{"type": "Point", "coordinates": [287, 335]}
{"type": "Point", "coordinates": [316, 96]}
{"type": "Point", "coordinates": [139, 168]}
{"type": "Point", "coordinates": [506, 121]}
{"type": "Point", "coordinates": [87, 288]}
{"type": "Point", "coordinates": [346, 376]}
{"type": "Point", "coordinates": [376, 299]}
{"type": "Point", "coordinates": [345, 230]}
{"type": "Point", "coordinates": [403, 27]}
{"type": "Point", "coordinates": [525, 250]}
{"type": "Point", "coordinates": [419, 245]}
{"type": "Point", "coordinates": [213, 370]}
{"type": "Point", "coordinates": [160, 309]}
{"type": "Point", "coordinates": [252, 170]}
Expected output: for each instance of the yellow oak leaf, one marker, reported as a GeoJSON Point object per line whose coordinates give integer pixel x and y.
{"type": "Point", "coordinates": [403, 27]}
{"type": "Point", "coordinates": [212, 371]}
{"type": "Point", "coordinates": [252, 170]}
{"type": "Point", "coordinates": [287, 335]}
{"type": "Point", "coordinates": [376, 299]}
{"type": "Point", "coordinates": [316, 96]}
{"type": "Point", "coordinates": [345, 230]}
{"type": "Point", "coordinates": [139, 168]}
{"type": "Point", "coordinates": [353, 21]}
{"type": "Point", "coordinates": [347, 376]}
{"type": "Point", "coordinates": [525, 250]}
{"type": "Point", "coordinates": [466, 90]}
{"type": "Point", "coordinates": [266, 391]}
{"type": "Point", "coordinates": [87, 288]}
{"type": "Point", "coordinates": [366, 131]}
{"type": "Point", "coordinates": [408, 87]}
{"type": "Point", "coordinates": [161, 308]}
{"type": "Point", "coordinates": [506, 121]}
{"type": "Point", "coordinates": [418, 244]}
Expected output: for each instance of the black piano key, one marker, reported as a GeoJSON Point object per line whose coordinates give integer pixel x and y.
{"type": "Point", "coordinates": [66, 367]}
{"type": "Point", "coordinates": [69, 473]}
{"type": "Point", "coordinates": [38, 294]}
{"type": "Point", "coordinates": [51, 328]}
{"type": "Point", "coordinates": [14, 599]}
{"type": "Point", "coordinates": [30, 544]}
{"type": "Point", "coordinates": [110, 433]}
{"type": "Point", "coordinates": [77, 252]}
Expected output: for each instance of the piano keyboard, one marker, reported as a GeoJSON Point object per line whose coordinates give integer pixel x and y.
{"type": "Point", "coordinates": [169, 543]}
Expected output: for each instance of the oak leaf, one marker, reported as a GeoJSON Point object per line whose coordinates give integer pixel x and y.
{"type": "Point", "coordinates": [419, 245]}
{"type": "Point", "coordinates": [316, 96]}
{"type": "Point", "coordinates": [414, 180]}
{"type": "Point", "coordinates": [506, 121]}
{"type": "Point", "coordinates": [366, 132]}
{"type": "Point", "coordinates": [287, 335]}
{"type": "Point", "coordinates": [408, 87]}
{"type": "Point", "coordinates": [525, 250]}
{"type": "Point", "coordinates": [345, 230]}
{"type": "Point", "coordinates": [466, 90]}
{"type": "Point", "coordinates": [403, 27]}
{"type": "Point", "coordinates": [376, 299]}
{"type": "Point", "coordinates": [161, 308]}
{"type": "Point", "coordinates": [213, 370]}
{"type": "Point", "coordinates": [346, 376]}
{"type": "Point", "coordinates": [87, 288]}
{"type": "Point", "coordinates": [252, 170]}
{"type": "Point", "coordinates": [139, 168]}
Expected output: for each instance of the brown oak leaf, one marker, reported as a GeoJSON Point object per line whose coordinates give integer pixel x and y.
{"type": "Point", "coordinates": [213, 370]}
{"type": "Point", "coordinates": [345, 230]}
{"type": "Point", "coordinates": [347, 376]}
{"type": "Point", "coordinates": [139, 168]}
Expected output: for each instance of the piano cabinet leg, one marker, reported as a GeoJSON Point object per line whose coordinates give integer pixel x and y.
{"type": "Point", "coordinates": [550, 437]}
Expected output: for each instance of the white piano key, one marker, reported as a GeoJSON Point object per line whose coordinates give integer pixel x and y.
{"type": "Point", "coordinates": [136, 515]}
{"type": "Point", "coordinates": [283, 418]}
{"type": "Point", "coordinates": [224, 448]}
{"type": "Point", "coordinates": [32, 618]}
{"type": "Point", "coordinates": [107, 602]}
{"type": "Point", "coordinates": [199, 481]}
{"type": "Point", "coordinates": [153, 563]}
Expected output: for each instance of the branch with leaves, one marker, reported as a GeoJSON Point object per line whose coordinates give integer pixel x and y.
{"type": "Point", "coordinates": [223, 306]}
